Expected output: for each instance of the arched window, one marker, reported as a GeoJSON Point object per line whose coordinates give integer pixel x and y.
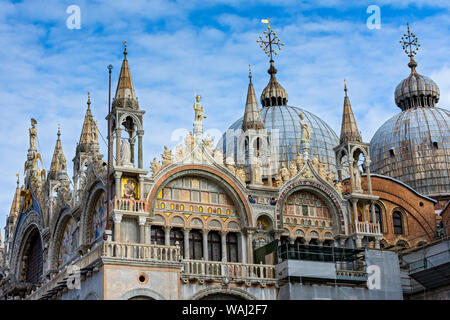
{"type": "Point", "coordinates": [32, 260]}
{"type": "Point", "coordinates": [195, 245]}
{"type": "Point", "coordinates": [214, 246]}
{"type": "Point", "coordinates": [158, 235]}
{"type": "Point", "coordinates": [232, 247]}
{"type": "Point", "coordinates": [398, 223]}
{"type": "Point", "coordinates": [378, 217]}
{"type": "Point", "coordinates": [177, 235]}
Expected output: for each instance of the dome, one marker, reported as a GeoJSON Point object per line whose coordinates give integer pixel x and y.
{"type": "Point", "coordinates": [285, 119]}
{"type": "Point", "coordinates": [414, 147]}
{"type": "Point", "coordinates": [416, 90]}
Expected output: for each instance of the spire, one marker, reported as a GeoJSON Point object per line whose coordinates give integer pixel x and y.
{"type": "Point", "coordinates": [58, 165]}
{"type": "Point", "coordinates": [89, 135]}
{"type": "Point", "coordinates": [125, 96]}
{"type": "Point", "coordinates": [252, 116]}
{"type": "Point", "coordinates": [349, 129]}
{"type": "Point", "coordinates": [15, 207]}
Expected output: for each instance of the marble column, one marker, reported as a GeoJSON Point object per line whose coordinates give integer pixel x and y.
{"type": "Point", "coordinates": [132, 142]}
{"type": "Point", "coordinates": [223, 240]}
{"type": "Point", "coordinates": [140, 133]}
{"type": "Point", "coordinates": [118, 134]}
{"type": "Point", "coordinates": [205, 244]}
{"type": "Point", "coordinates": [242, 247]}
{"type": "Point", "coordinates": [117, 176]}
{"type": "Point", "coordinates": [117, 220]}
{"type": "Point", "coordinates": [167, 235]}
{"type": "Point", "coordinates": [250, 246]}
{"type": "Point", "coordinates": [142, 221]}
{"type": "Point", "coordinates": [141, 187]}
{"type": "Point", "coordinates": [186, 242]}
{"type": "Point", "coordinates": [148, 234]}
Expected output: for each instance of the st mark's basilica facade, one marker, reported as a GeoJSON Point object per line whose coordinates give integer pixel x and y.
{"type": "Point", "coordinates": [281, 207]}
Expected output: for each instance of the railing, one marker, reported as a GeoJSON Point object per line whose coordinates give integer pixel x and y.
{"type": "Point", "coordinates": [129, 205]}
{"type": "Point", "coordinates": [136, 251]}
{"type": "Point", "coordinates": [429, 261]}
{"type": "Point", "coordinates": [347, 261]}
{"type": "Point", "coordinates": [230, 270]}
{"type": "Point", "coordinates": [366, 227]}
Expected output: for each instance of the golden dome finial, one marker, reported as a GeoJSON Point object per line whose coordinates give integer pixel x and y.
{"type": "Point", "coordinates": [125, 49]}
{"type": "Point", "coordinates": [273, 42]}
{"type": "Point", "coordinates": [410, 46]}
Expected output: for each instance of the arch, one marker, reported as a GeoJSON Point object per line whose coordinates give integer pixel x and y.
{"type": "Point", "coordinates": [216, 290]}
{"type": "Point", "coordinates": [96, 190]}
{"type": "Point", "coordinates": [327, 195]}
{"type": "Point", "coordinates": [215, 224]}
{"type": "Point", "coordinates": [58, 234]}
{"type": "Point", "coordinates": [31, 219]}
{"type": "Point", "coordinates": [264, 222]}
{"type": "Point", "coordinates": [195, 222]}
{"type": "Point", "coordinates": [142, 292]}
{"type": "Point", "coordinates": [228, 184]}
{"type": "Point", "coordinates": [177, 221]}
{"type": "Point", "coordinates": [233, 225]}
{"type": "Point", "coordinates": [313, 234]}
{"type": "Point", "coordinates": [159, 219]}
{"type": "Point", "coordinates": [398, 221]}
{"type": "Point", "coordinates": [125, 115]}
{"type": "Point", "coordinates": [31, 258]}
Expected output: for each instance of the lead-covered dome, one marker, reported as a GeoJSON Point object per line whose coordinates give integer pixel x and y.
{"type": "Point", "coordinates": [414, 145]}
{"type": "Point", "coordinates": [284, 120]}
{"type": "Point", "coordinates": [416, 90]}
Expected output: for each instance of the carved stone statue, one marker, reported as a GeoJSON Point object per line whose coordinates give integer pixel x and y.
{"type": "Point", "coordinates": [198, 109]}
{"type": "Point", "coordinates": [330, 177]}
{"type": "Point", "coordinates": [306, 173]}
{"type": "Point", "coordinates": [300, 161]}
{"type": "Point", "coordinates": [166, 157]}
{"type": "Point", "coordinates": [155, 166]}
{"type": "Point", "coordinates": [240, 174]}
{"type": "Point", "coordinates": [33, 134]}
{"type": "Point", "coordinates": [357, 177]}
{"type": "Point", "coordinates": [323, 170]}
{"type": "Point", "coordinates": [218, 156]}
{"type": "Point", "coordinates": [293, 169]}
{"type": "Point", "coordinates": [125, 154]}
{"type": "Point", "coordinates": [339, 188]}
{"type": "Point", "coordinates": [306, 131]}
{"type": "Point", "coordinates": [284, 172]}
{"type": "Point", "coordinates": [257, 172]}
{"type": "Point", "coordinates": [229, 163]}
{"type": "Point", "coordinates": [278, 181]}
{"type": "Point", "coordinates": [208, 143]}
{"type": "Point", "coordinates": [189, 142]}
{"type": "Point", "coordinates": [315, 163]}
{"type": "Point", "coordinates": [179, 153]}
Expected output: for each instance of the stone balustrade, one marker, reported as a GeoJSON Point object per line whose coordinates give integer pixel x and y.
{"type": "Point", "coordinates": [237, 272]}
{"type": "Point", "coordinates": [138, 251]}
{"type": "Point", "coordinates": [132, 205]}
{"type": "Point", "coordinates": [366, 227]}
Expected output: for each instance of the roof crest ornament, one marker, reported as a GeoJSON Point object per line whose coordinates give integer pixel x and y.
{"type": "Point", "coordinates": [410, 46]}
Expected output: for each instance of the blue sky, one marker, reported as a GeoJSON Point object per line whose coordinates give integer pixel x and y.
{"type": "Point", "coordinates": [176, 48]}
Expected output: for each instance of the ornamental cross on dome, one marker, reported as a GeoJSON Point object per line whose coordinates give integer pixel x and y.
{"type": "Point", "coordinates": [409, 43]}
{"type": "Point", "coordinates": [271, 43]}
